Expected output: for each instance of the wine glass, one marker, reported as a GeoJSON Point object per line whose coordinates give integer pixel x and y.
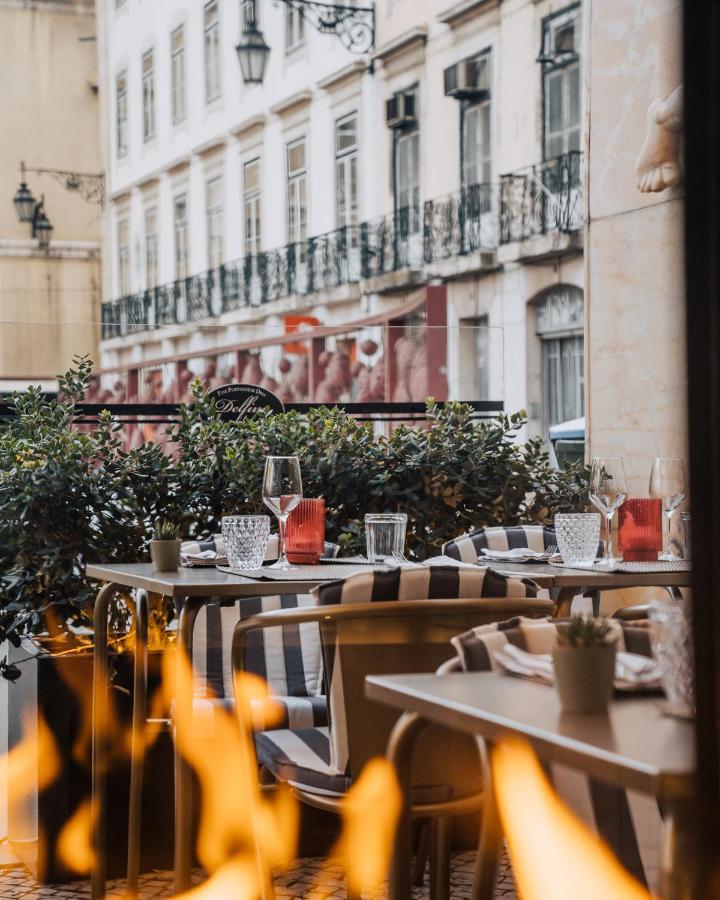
{"type": "Point", "coordinates": [608, 490]}
{"type": "Point", "coordinates": [667, 481]}
{"type": "Point", "coordinates": [282, 491]}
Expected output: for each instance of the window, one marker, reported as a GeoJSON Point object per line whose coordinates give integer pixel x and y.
{"type": "Point", "coordinates": [477, 156]}
{"type": "Point", "coordinates": [294, 28]}
{"type": "Point", "coordinates": [121, 113]}
{"type": "Point", "coordinates": [561, 83]}
{"type": "Point", "coordinates": [346, 171]}
{"type": "Point", "coordinates": [296, 192]}
{"type": "Point", "coordinates": [123, 249]}
{"type": "Point", "coordinates": [560, 316]}
{"type": "Point", "coordinates": [148, 95]}
{"type": "Point", "coordinates": [214, 214]}
{"type": "Point", "coordinates": [407, 180]}
{"type": "Point", "coordinates": [180, 228]}
{"type": "Point", "coordinates": [212, 52]}
{"type": "Point", "coordinates": [253, 212]}
{"type": "Point", "coordinates": [151, 248]}
{"type": "Point", "coordinates": [177, 75]}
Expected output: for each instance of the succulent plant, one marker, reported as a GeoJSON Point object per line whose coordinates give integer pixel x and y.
{"type": "Point", "coordinates": [585, 631]}
{"type": "Point", "coordinates": [166, 530]}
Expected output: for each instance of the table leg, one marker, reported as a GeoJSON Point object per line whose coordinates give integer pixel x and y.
{"type": "Point", "coordinates": [139, 725]}
{"type": "Point", "coordinates": [564, 599]}
{"type": "Point", "coordinates": [399, 751]}
{"type": "Point", "coordinates": [100, 751]}
{"type": "Point", "coordinates": [678, 873]}
{"type": "Point", "coordinates": [490, 834]}
{"type": "Point", "coordinates": [183, 773]}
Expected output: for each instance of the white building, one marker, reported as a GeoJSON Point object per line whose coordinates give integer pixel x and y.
{"type": "Point", "coordinates": [435, 180]}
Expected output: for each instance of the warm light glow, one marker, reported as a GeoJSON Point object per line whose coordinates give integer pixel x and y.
{"type": "Point", "coordinates": [74, 845]}
{"type": "Point", "coordinates": [33, 763]}
{"type": "Point", "coordinates": [236, 880]}
{"type": "Point", "coordinates": [553, 855]}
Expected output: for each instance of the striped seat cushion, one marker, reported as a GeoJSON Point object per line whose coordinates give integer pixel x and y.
{"type": "Point", "coordinates": [467, 547]}
{"type": "Point", "coordinates": [476, 648]}
{"type": "Point", "coordinates": [423, 583]}
{"type": "Point", "coordinates": [628, 821]}
{"type": "Point", "coordinates": [302, 758]}
{"type": "Point", "coordinates": [278, 712]}
{"type": "Point", "coordinates": [288, 657]}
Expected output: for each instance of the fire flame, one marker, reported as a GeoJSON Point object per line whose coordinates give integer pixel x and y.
{"type": "Point", "coordinates": [552, 853]}
{"type": "Point", "coordinates": [35, 761]}
{"type": "Point", "coordinates": [74, 845]}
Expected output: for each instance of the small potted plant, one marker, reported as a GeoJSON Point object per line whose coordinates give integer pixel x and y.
{"type": "Point", "coordinates": [584, 663]}
{"type": "Point", "coordinates": [165, 546]}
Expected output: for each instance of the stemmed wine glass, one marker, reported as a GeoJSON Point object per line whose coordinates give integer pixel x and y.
{"type": "Point", "coordinates": [667, 481]}
{"type": "Point", "coordinates": [282, 491]}
{"type": "Point", "coordinates": [608, 490]}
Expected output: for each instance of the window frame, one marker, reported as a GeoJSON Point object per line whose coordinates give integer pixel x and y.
{"type": "Point", "coordinates": [297, 183]}
{"type": "Point", "coordinates": [346, 159]}
{"type": "Point", "coordinates": [123, 255]}
{"type": "Point", "coordinates": [122, 126]}
{"type": "Point", "coordinates": [214, 221]}
{"type": "Point", "coordinates": [400, 138]}
{"type": "Point", "coordinates": [562, 69]}
{"type": "Point", "coordinates": [178, 98]}
{"type": "Point", "coordinates": [181, 272]}
{"type": "Point", "coordinates": [212, 56]}
{"type": "Point", "coordinates": [295, 35]}
{"type": "Point", "coordinates": [252, 201]}
{"type": "Point", "coordinates": [152, 248]}
{"type": "Point", "coordinates": [148, 94]}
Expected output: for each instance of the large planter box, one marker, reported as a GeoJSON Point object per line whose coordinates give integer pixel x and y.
{"type": "Point", "coordinates": [35, 822]}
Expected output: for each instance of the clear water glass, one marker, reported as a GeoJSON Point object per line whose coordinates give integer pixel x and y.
{"type": "Point", "coordinates": [385, 536]}
{"type": "Point", "coordinates": [672, 646]}
{"type": "Point", "coordinates": [246, 539]}
{"type": "Point", "coordinates": [608, 490]}
{"type": "Point", "coordinates": [667, 481]}
{"type": "Point", "coordinates": [578, 537]}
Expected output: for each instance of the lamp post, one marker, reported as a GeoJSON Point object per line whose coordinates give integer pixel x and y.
{"type": "Point", "coordinates": [353, 25]}
{"type": "Point", "coordinates": [23, 199]}
{"type": "Point", "coordinates": [41, 227]}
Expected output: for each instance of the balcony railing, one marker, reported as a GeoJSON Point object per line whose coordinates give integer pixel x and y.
{"type": "Point", "coordinates": [476, 218]}
{"type": "Point", "coordinates": [545, 198]}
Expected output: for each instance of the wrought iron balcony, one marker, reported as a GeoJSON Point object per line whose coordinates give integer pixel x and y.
{"type": "Point", "coordinates": [460, 223]}
{"type": "Point", "coordinates": [545, 198]}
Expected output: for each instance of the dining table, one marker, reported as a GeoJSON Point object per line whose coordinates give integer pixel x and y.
{"type": "Point", "coordinates": [634, 746]}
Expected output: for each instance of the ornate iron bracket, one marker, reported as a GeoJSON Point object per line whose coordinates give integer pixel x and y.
{"type": "Point", "coordinates": [89, 186]}
{"type": "Point", "coordinates": [354, 25]}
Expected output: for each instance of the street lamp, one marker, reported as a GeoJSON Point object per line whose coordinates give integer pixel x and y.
{"type": "Point", "coordinates": [24, 200]}
{"type": "Point", "coordinates": [41, 227]}
{"type": "Point", "coordinates": [353, 25]}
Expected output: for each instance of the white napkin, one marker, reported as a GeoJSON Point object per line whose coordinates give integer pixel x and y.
{"type": "Point", "coordinates": [517, 554]}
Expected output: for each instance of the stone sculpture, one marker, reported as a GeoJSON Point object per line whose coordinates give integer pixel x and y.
{"type": "Point", "coordinates": [658, 164]}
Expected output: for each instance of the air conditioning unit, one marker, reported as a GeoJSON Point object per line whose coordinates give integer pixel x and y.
{"type": "Point", "coordinates": [468, 80]}
{"type": "Point", "coordinates": [400, 111]}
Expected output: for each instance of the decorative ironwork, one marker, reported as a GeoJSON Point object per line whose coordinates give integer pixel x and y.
{"type": "Point", "coordinates": [545, 198]}
{"type": "Point", "coordinates": [354, 25]}
{"type": "Point", "coordinates": [391, 243]}
{"type": "Point", "coordinates": [91, 187]}
{"type": "Point", "coordinates": [464, 222]}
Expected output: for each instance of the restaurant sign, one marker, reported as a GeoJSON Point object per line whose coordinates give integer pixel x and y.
{"type": "Point", "coordinates": [238, 401]}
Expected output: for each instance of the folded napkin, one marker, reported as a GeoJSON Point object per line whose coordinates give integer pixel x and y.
{"type": "Point", "coordinates": [517, 554]}
{"type": "Point", "coordinates": [211, 552]}
{"type": "Point", "coordinates": [632, 671]}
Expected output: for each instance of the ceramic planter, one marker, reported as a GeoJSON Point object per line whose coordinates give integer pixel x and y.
{"type": "Point", "coordinates": [584, 677]}
{"type": "Point", "coordinates": [165, 555]}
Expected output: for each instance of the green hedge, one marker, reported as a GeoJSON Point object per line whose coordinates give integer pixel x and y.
{"type": "Point", "coordinates": [69, 496]}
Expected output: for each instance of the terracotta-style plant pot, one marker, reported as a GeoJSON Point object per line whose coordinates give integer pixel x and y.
{"type": "Point", "coordinates": [584, 677]}
{"type": "Point", "coordinates": [165, 555]}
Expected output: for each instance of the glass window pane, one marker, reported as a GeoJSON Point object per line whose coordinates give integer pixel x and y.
{"type": "Point", "coordinates": [346, 134]}
{"type": "Point", "coordinates": [555, 102]}
{"type": "Point", "coordinates": [573, 91]}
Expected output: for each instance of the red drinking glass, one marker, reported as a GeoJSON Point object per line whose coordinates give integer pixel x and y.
{"type": "Point", "coordinates": [640, 529]}
{"type": "Point", "coordinates": [306, 532]}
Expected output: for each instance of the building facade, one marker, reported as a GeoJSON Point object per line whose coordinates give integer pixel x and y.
{"type": "Point", "coordinates": [50, 297]}
{"type": "Point", "coordinates": [413, 215]}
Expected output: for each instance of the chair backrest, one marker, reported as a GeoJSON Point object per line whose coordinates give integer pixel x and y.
{"type": "Point", "coordinates": [467, 547]}
{"type": "Point", "coordinates": [410, 637]}
{"type": "Point", "coordinates": [289, 658]}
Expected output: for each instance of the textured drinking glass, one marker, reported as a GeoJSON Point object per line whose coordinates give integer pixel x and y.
{"type": "Point", "coordinates": [671, 639]}
{"type": "Point", "coordinates": [578, 537]}
{"type": "Point", "coordinates": [385, 536]}
{"type": "Point", "coordinates": [687, 534]}
{"type": "Point", "coordinates": [608, 491]}
{"type": "Point", "coordinates": [282, 491]}
{"type": "Point", "coordinates": [306, 532]}
{"type": "Point", "coordinates": [640, 529]}
{"type": "Point", "coordinates": [667, 481]}
{"type": "Point", "coordinates": [245, 540]}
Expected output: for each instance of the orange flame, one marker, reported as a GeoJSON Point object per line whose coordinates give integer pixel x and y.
{"type": "Point", "coordinates": [74, 846]}
{"type": "Point", "coordinates": [553, 855]}
{"type": "Point", "coordinates": [236, 880]}
{"type": "Point", "coordinates": [34, 762]}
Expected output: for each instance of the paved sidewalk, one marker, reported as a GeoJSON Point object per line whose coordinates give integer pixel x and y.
{"type": "Point", "coordinates": [16, 884]}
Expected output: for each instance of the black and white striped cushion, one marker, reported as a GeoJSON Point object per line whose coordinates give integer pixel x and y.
{"type": "Point", "coordinates": [416, 583]}
{"type": "Point", "coordinates": [423, 583]}
{"type": "Point", "coordinates": [628, 821]}
{"type": "Point", "coordinates": [287, 657]}
{"type": "Point", "coordinates": [467, 547]}
{"type": "Point", "coordinates": [277, 712]}
{"type": "Point", "coordinates": [302, 758]}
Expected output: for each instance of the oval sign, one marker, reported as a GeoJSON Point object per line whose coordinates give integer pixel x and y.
{"type": "Point", "coordinates": [238, 401]}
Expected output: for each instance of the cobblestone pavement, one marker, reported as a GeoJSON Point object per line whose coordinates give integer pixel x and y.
{"type": "Point", "coordinates": [16, 884]}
